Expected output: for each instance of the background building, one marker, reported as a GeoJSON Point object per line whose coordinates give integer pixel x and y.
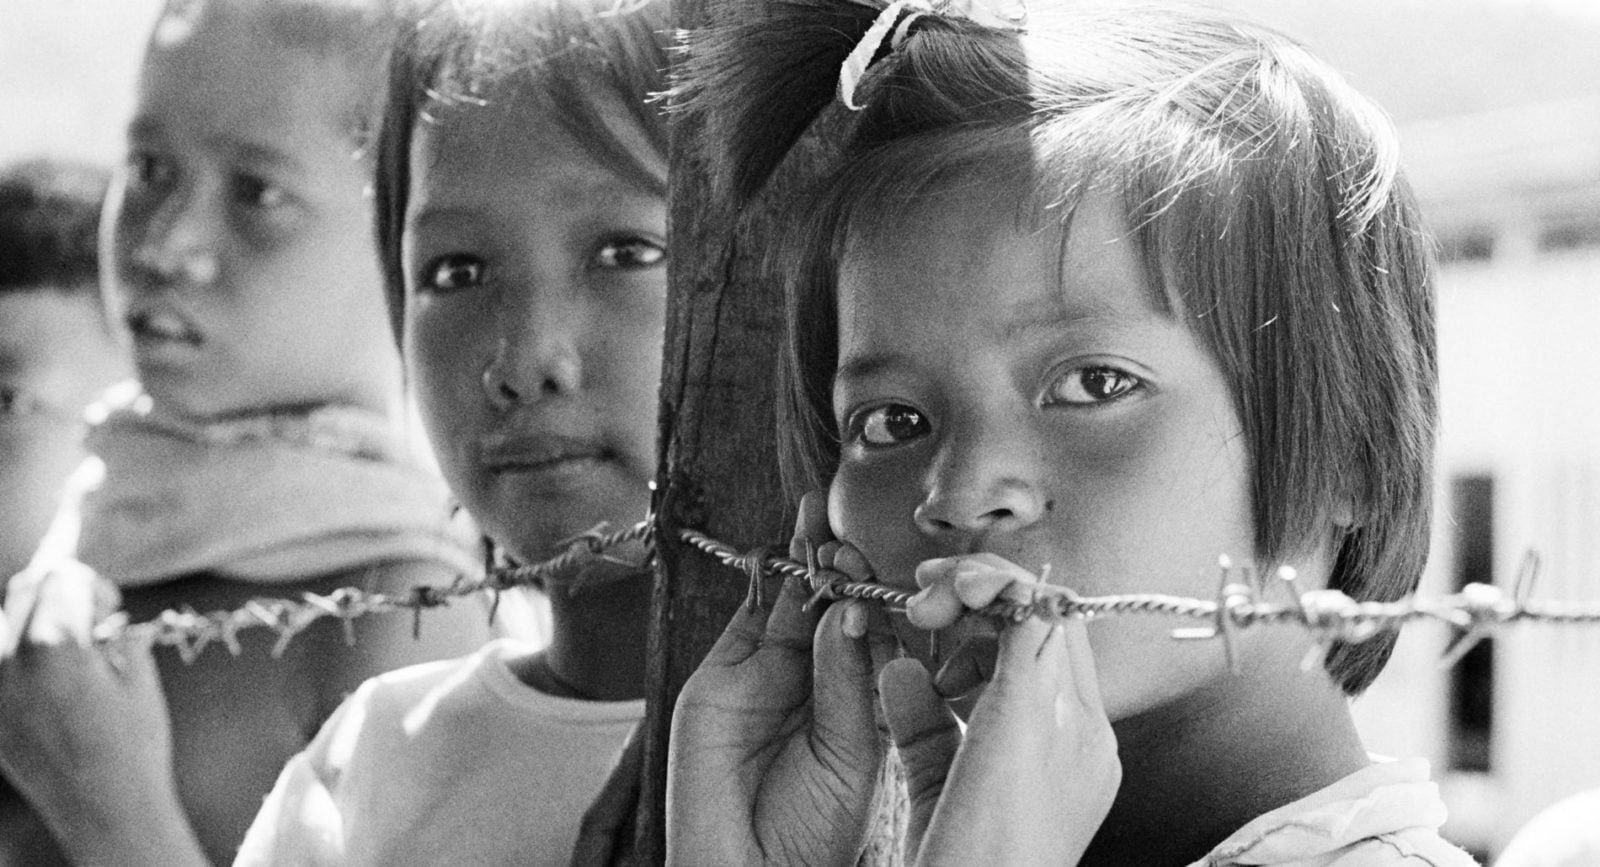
{"type": "Point", "coordinates": [1498, 105]}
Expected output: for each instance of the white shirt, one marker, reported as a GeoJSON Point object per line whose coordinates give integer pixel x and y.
{"type": "Point", "coordinates": [454, 762]}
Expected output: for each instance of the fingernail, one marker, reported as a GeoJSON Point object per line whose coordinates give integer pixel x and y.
{"type": "Point", "coordinates": [967, 569]}
{"type": "Point", "coordinates": [915, 609]}
{"type": "Point", "coordinates": [854, 620]}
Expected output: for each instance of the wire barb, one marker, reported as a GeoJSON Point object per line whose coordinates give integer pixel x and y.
{"type": "Point", "coordinates": [1242, 602]}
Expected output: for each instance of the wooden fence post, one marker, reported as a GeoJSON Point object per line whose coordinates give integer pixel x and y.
{"type": "Point", "coordinates": [718, 465]}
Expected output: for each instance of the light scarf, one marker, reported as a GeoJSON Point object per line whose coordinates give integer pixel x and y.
{"type": "Point", "coordinates": [272, 498]}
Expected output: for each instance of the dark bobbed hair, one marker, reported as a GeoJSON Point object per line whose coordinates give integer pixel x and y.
{"type": "Point", "coordinates": [49, 214]}
{"type": "Point", "coordinates": [1264, 193]}
{"type": "Point", "coordinates": [581, 59]}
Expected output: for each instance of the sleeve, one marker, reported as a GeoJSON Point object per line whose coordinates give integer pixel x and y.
{"type": "Point", "coordinates": [299, 824]}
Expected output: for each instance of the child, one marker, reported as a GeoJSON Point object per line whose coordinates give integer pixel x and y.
{"type": "Point", "coordinates": [264, 457]}
{"type": "Point", "coordinates": [1099, 294]}
{"type": "Point", "coordinates": [522, 220]}
{"type": "Point", "coordinates": [56, 353]}
{"type": "Point", "coordinates": [56, 356]}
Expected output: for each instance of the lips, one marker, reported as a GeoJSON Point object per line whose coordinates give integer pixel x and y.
{"type": "Point", "coordinates": [536, 452]}
{"type": "Point", "coordinates": [162, 326]}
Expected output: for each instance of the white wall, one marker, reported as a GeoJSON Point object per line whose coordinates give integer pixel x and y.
{"type": "Point", "coordinates": [67, 72]}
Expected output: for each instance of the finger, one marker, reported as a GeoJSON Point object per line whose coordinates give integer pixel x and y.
{"type": "Point", "coordinates": [826, 552]}
{"type": "Point", "coordinates": [107, 597]}
{"type": "Point", "coordinates": [1050, 662]}
{"type": "Point", "coordinates": [849, 560]}
{"type": "Point", "coordinates": [970, 667]}
{"type": "Point", "coordinates": [741, 637]}
{"type": "Point", "coordinates": [981, 579]}
{"type": "Point", "coordinates": [845, 731]}
{"type": "Point", "coordinates": [926, 735]}
{"type": "Point", "coordinates": [22, 593]}
{"type": "Point", "coordinates": [793, 622]}
{"type": "Point", "coordinates": [63, 610]}
{"type": "Point", "coordinates": [136, 663]}
{"type": "Point", "coordinates": [939, 570]}
{"type": "Point", "coordinates": [870, 622]}
{"type": "Point", "coordinates": [810, 523]}
{"type": "Point", "coordinates": [1036, 754]}
{"type": "Point", "coordinates": [935, 606]}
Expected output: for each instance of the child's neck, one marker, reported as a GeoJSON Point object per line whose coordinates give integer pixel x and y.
{"type": "Point", "coordinates": [597, 644]}
{"type": "Point", "coordinates": [1196, 771]}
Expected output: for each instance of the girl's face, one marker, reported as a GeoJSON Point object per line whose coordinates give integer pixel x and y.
{"type": "Point", "coordinates": [535, 303]}
{"type": "Point", "coordinates": [1001, 391]}
{"type": "Point", "coordinates": [238, 235]}
{"type": "Point", "coordinates": [55, 358]}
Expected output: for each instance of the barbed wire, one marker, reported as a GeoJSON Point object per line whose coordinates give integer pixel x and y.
{"type": "Point", "coordinates": [190, 631]}
{"type": "Point", "coordinates": [1242, 601]}
{"type": "Point", "coordinates": [1329, 615]}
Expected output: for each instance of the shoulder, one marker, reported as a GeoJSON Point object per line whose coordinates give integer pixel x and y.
{"type": "Point", "coordinates": [1412, 847]}
{"type": "Point", "coordinates": [1563, 835]}
{"type": "Point", "coordinates": [374, 718]}
{"type": "Point", "coordinates": [396, 692]}
{"type": "Point", "coordinates": [1387, 812]}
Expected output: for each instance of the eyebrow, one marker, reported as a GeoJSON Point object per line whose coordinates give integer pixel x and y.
{"type": "Point", "coordinates": [450, 208]}
{"type": "Point", "coordinates": [246, 152]}
{"type": "Point", "coordinates": [259, 155]}
{"type": "Point", "coordinates": [441, 214]}
{"type": "Point", "coordinates": [867, 366]}
{"type": "Point", "coordinates": [1024, 319]}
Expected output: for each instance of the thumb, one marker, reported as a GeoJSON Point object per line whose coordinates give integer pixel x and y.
{"type": "Point", "coordinates": [926, 734]}
{"type": "Point", "coordinates": [64, 606]}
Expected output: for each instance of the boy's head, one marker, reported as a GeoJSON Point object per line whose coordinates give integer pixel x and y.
{"type": "Point", "coordinates": [237, 235]}
{"type": "Point", "coordinates": [1264, 195]}
{"type": "Point", "coordinates": [522, 221]}
{"type": "Point", "coordinates": [56, 353]}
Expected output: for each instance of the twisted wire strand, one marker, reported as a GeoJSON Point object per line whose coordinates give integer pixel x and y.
{"type": "Point", "coordinates": [190, 631]}
{"type": "Point", "coordinates": [1328, 614]}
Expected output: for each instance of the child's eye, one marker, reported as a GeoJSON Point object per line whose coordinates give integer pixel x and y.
{"type": "Point", "coordinates": [454, 272]}
{"type": "Point", "coordinates": [146, 169]}
{"type": "Point", "coordinates": [1091, 385]}
{"type": "Point", "coordinates": [888, 425]}
{"type": "Point", "coordinates": [15, 402]}
{"type": "Point", "coordinates": [258, 193]}
{"type": "Point", "coordinates": [629, 254]}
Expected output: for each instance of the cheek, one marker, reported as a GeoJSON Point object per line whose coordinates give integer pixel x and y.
{"type": "Point", "coordinates": [623, 369]}
{"type": "Point", "coordinates": [444, 368]}
{"type": "Point", "coordinates": [873, 510]}
{"type": "Point", "coordinates": [625, 339]}
{"type": "Point", "coordinates": [120, 231]}
{"type": "Point", "coordinates": [1150, 509]}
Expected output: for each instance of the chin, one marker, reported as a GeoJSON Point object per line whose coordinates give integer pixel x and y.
{"type": "Point", "coordinates": [538, 527]}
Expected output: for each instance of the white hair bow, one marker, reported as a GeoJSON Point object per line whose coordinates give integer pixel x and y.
{"type": "Point", "coordinates": [894, 25]}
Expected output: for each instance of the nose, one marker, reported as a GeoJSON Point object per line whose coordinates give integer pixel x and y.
{"type": "Point", "coordinates": [176, 242]}
{"type": "Point", "coordinates": [984, 481]}
{"type": "Point", "coordinates": [535, 359]}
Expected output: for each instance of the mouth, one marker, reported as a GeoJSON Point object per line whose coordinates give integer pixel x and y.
{"type": "Point", "coordinates": [538, 453]}
{"type": "Point", "coordinates": [162, 327]}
